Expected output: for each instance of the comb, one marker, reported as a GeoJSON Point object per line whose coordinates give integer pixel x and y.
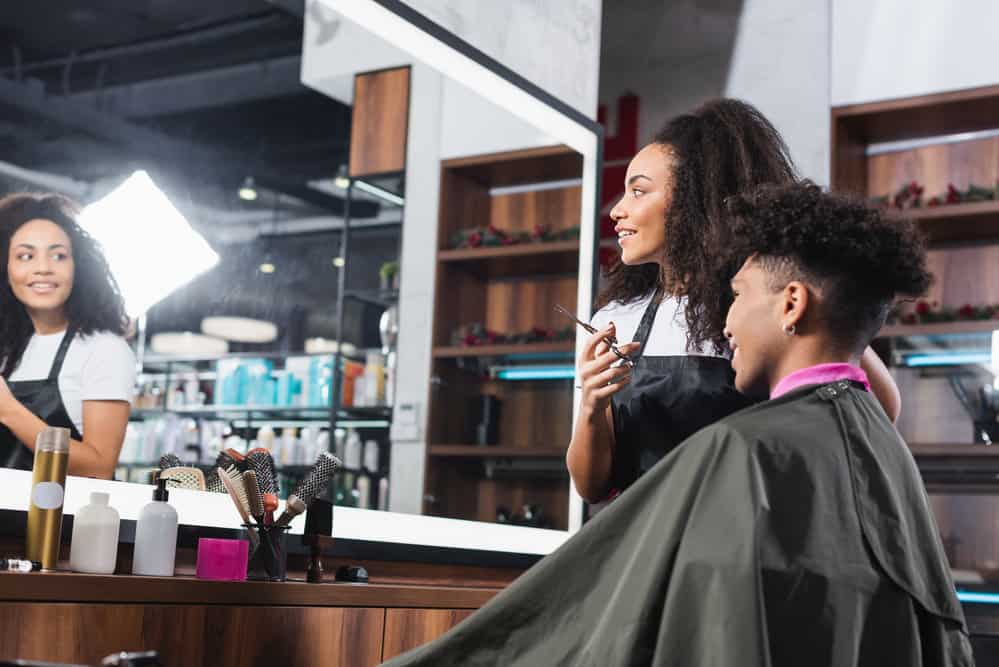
{"type": "Point", "coordinates": [213, 483]}
{"type": "Point", "coordinates": [261, 462]}
{"type": "Point", "coordinates": [253, 497]}
{"type": "Point", "coordinates": [170, 460]}
{"type": "Point", "coordinates": [232, 479]}
{"type": "Point", "coordinates": [184, 478]}
{"type": "Point", "coordinates": [312, 485]}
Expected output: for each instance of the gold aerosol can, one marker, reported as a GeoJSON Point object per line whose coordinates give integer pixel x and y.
{"type": "Point", "coordinates": [48, 488]}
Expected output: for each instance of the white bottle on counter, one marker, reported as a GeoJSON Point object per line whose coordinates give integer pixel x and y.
{"type": "Point", "coordinates": [94, 549]}
{"type": "Point", "coordinates": [352, 451]}
{"type": "Point", "coordinates": [156, 536]}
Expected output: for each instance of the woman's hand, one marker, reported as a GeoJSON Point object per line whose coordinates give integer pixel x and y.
{"type": "Point", "coordinates": [599, 374]}
{"type": "Point", "coordinates": [7, 400]}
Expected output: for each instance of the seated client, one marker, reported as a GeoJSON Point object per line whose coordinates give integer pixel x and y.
{"type": "Point", "coordinates": [794, 532]}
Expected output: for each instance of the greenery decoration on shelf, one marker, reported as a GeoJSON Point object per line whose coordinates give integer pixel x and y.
{"type": "Point", "coordinates": [492, 236]}
{"type": "Point", "coordinates": [477, 334]}
{"type": "Point", "coordinates": [910, 195]}
{"type": "Point", "coordinates": [926, 312]}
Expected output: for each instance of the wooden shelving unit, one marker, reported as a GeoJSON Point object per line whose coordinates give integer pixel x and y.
{"type": "Point", "coordinates": [962, 478]}
{"type": "Point", "coordinates": [945, 450]}
{"type": "Point", "coordinates": [507, 289]}
{"type": "Point", "coordinates": [554, 257]}
{"type": "Point", "coordinates": [972, 221]}
{"type": "Point", "coordinates": [456, 351]}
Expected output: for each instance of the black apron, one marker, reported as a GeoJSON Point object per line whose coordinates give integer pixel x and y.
{"type": "Point", "coordinates": [43, 399]}
{"type": "Point", "coordinates": [668, 399]}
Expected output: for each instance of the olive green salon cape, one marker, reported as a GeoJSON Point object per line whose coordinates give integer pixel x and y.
{"type": "Point", "coordinates": [792, 533]}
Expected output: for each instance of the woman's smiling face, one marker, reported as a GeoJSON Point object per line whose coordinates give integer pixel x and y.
{"type": "Point", "coordinates": [640, 215]}
{"type": "Point", "coordinates": [40, 266]}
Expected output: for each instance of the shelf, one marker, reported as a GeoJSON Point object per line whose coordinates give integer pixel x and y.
{"type": "Point", "coordinates": [946, 450]}
{"type": "Point", "coordinates": [938, 328]}
{"type": "Point", "coordinates": [489, 451]}
{"type": "Point", "coordinates": [931, 115]}
{"type": "Point", "coordinates": [972, 221]}
{"type": "Point", "coordinates": [269, 413]}
{"type": "Point", "coordinates": [514, 349]}
{"type": "Point", "coordinates": [553, 257]}
{"type": "Point", "coordinates": [291, 470]}
{"type": "Point", "coordinates": [532, 165]}
{"type": "Point", "coordinates": [377, 297]}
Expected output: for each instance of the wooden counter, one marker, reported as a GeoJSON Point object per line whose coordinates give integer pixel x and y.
{"type": "Point", "coordinates": [64, 617]}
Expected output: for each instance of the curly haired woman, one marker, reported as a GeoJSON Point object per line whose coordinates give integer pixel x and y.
{"type": "Point", "coordinates": [63, 359]}
{"type": "Point", "coordinates": [673, 228]}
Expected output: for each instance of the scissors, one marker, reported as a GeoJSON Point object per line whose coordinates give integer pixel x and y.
{"type": "Point", "coordinates": [610, 340]}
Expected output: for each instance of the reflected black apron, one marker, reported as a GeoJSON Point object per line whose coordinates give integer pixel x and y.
{"type": "Point", "coordinates": [668, 399]}
{"type": "Point", "coordinates": [43, 399]}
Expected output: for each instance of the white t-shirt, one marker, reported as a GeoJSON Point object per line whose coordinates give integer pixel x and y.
{"type": "Point", "coordinates": [98, 367]}
{"type": "Point", "coordinates": [668, 337]}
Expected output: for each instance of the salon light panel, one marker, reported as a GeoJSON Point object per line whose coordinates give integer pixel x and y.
{"type": "Point", "coordinates": [151, 248]}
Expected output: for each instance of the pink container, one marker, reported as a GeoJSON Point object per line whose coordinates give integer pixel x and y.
{"type": "Point", "coordinates": [222, 559]}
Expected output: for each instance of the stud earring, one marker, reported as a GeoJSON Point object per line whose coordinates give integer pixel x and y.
{"type": "Point", "coordinates": [790, 330]}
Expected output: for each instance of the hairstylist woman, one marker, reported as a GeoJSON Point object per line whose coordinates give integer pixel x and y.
{"type": "Point", "coordinates": [669, 295]}
{"type": "Point", "coordinates": [63, 361]}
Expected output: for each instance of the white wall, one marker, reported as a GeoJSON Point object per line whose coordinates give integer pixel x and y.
{"type": "Point", "coordinates": [472, 125]}
{"type": "Point", "coordinates": [771, 53]}
{"type": "Point", "coordinates": [886, 50]}
{"type": "Point", "coordinates": [553, 43]}
{"type": "Point", "coordinates": [335, 49]}
{"type": "Point", "coordinates": [781, 64]}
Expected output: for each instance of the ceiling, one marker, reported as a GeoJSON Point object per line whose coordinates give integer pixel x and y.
{"type": "Point", "coordinates": [202, 95]}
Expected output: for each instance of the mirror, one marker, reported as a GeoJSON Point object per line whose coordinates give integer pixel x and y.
{"type": "Point", "coordinates": [375, 204]}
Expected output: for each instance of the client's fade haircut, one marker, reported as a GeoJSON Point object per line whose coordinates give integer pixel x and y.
{"type": "Point", "coordinates": [857, 259]}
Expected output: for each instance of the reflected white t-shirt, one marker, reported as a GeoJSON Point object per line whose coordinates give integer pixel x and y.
{"type": "Point", "coordinates": [668, 337]}
{"type": "Point", "coordinates": [98, 367]}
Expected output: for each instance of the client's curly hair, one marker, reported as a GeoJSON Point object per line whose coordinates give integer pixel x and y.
{"type": "Point", "coordinates": [95, 304]}
{"type": "Point", "coordinates": [857, 258]}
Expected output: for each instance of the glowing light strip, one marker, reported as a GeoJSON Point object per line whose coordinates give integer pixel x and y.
{"type": "Point", "coordinates": [979, 598]}
{"type": "Point", "coordinates": [948, 359]}
{"type": "Point", "coordinates": [537, 373]}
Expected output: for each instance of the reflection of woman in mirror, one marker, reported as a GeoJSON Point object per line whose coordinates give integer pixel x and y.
{"type": "Point", "coordinates": [63, 360]}
{"type": "Point", "coordinates": [669, 295]}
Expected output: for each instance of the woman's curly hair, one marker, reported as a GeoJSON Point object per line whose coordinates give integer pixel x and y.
{"type": "Point", "coordinates": [720, 149]}
{"type": "Point", "coordinates": [95, 304]}
{"type": "Point", "coordinates": [858, 259]}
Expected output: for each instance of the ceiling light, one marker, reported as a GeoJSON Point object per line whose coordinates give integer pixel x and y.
{"type": "Point", "coordinates": [239, 329]}
{"type": "Point", "coordinates": [381, 193]}
{"type": "Point", "coordinates": [267, 267]}
{"type": "Point", "coordinates": [338, 262]}
{"type": "Point", "coordinates": [341, 182]}
{"type": "Point", "coordinates": [248, 191]}
{"type": "Point", "coordinates": [187, 344]}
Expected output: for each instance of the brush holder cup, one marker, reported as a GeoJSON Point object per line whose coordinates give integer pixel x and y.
{"type": "Point", "coordinates": [269, 561]}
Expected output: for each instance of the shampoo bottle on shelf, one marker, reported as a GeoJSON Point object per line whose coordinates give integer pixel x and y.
{"type": "Point", "coordinates": [383, 493]}
{"type": "Point", "coordinates": [156, 536]}
{"type": "Point", "coordinates": [352, 451]}
{"type": "Point", "coordinates": [94, 546]}
{"type": "Point", "coordinates": [363, 491]}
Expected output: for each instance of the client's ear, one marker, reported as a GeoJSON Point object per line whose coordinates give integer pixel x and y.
{"type": "Point", "coordinates": [795, 300]}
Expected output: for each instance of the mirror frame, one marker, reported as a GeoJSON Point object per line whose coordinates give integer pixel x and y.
{"type": "Point", "coordinates": [442, 50]}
